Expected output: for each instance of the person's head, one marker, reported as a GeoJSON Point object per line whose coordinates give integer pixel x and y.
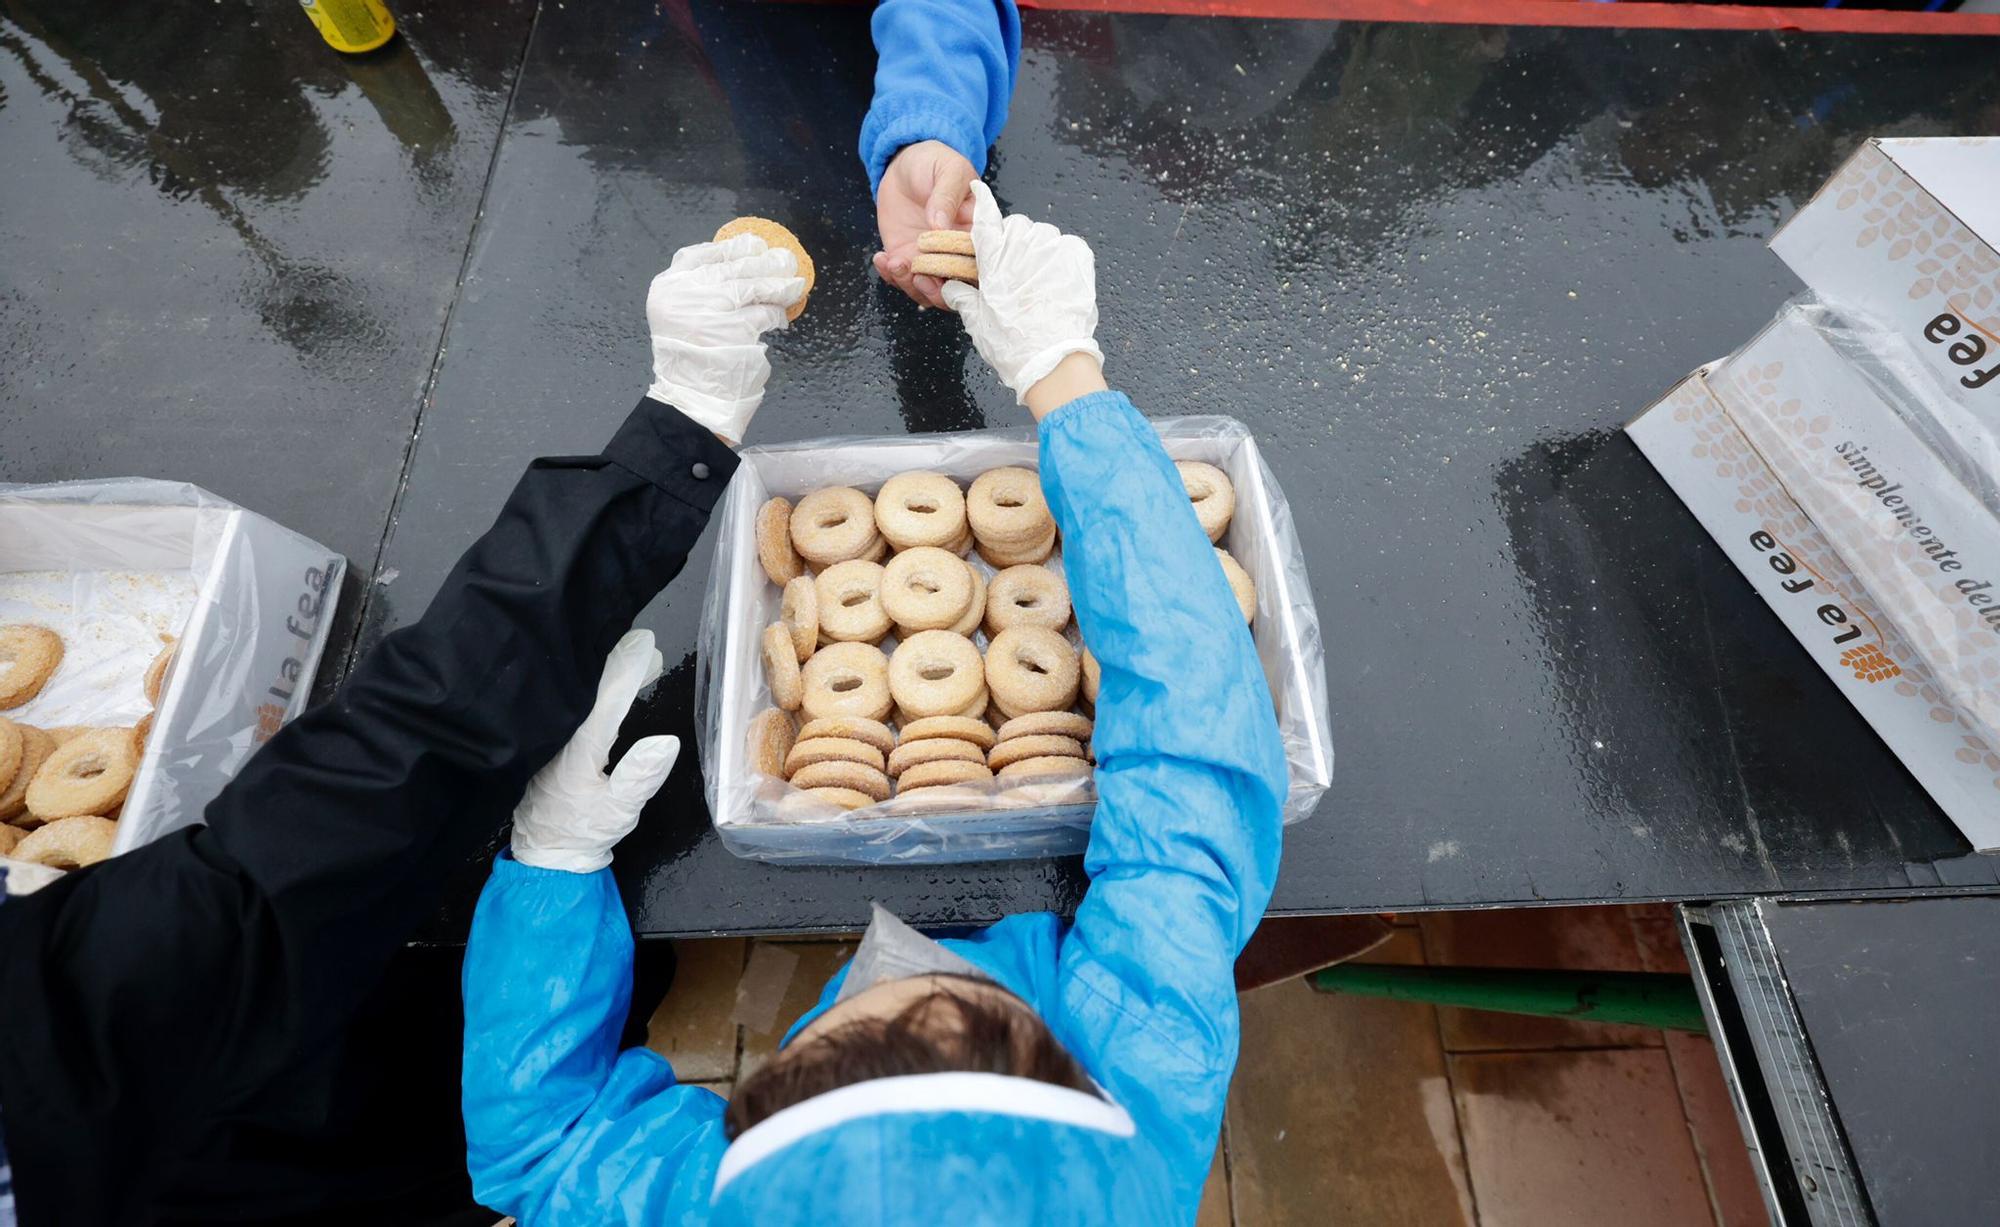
{"type": "Point", "coordinates": [928, 1024]}
{"type": "Point", "coordinates": [932, 1099]}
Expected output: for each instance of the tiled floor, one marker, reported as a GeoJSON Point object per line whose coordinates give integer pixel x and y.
{"type": "Point", "coordinates": [1353, 1110]}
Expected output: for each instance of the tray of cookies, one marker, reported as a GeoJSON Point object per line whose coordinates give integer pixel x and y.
{"type": "Point", "coordinates": [889, 671]}
{"type": "Point", "coordinates": [151, 636]}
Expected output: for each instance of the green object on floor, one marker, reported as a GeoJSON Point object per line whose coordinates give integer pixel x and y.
{"type": "Point", "coordinates": [1645, 999]}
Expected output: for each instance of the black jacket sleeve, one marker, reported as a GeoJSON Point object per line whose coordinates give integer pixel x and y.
{"type": "Point", "coordinates": [153, 995]}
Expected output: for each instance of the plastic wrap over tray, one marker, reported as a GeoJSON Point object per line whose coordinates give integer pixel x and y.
{"type": "Point", "coordinates": [123, 568]}
{"type": "Point", "coordinates": [764, 818]}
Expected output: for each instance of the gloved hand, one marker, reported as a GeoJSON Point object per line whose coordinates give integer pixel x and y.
{"type": "Point", "coordinates": [1036, 301]}
{"type": "Point", "coordinates": [924, 188]}
{"type": "Point", "coordinates": [707, 311]}
{"type": "Point", "coordinates": [573, 813]}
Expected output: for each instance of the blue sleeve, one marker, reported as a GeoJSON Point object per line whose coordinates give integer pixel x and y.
{"type": "Point", "coordinates": [944, 72]}
{"type": "Point", "coordinates": [1191, 780]}
{"type": "Point", "coordinates": [560, 1126]}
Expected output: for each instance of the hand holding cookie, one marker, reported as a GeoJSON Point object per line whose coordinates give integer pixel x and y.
{"type": "Point", "coordinates": [924, 188]}
{"type": "Point", "coordinates": [707, 312]}
{"type": "Point", "coordinates": [1036, 300]}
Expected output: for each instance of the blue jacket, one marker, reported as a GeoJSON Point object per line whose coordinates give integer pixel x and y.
{"type": "Point", "coordinates": [944, 71]}
{"type": "Point", "coordinates": [563, 1128]}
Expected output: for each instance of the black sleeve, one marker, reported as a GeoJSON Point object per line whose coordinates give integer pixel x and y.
{"type": "Point", "coordinates": [152, 995]}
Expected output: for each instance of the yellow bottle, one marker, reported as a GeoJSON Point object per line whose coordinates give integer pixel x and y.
{"type": "Point", "coordinates": [351, 25]}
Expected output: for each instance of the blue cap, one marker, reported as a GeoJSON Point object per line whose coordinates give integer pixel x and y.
{"type": "Point", "coordinates": [943, 1150]}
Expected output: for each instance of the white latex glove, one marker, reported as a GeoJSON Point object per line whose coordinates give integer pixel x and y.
{"type": "Point", "coordinates": [573, 813]}
{"type": "Point", "coordinates": [707, 311]}
{"type": "Point", "coordinates": [1036, 301]}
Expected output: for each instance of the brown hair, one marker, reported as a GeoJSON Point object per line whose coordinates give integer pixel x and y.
{"type": "Point", "coordinates": [991, 1032]}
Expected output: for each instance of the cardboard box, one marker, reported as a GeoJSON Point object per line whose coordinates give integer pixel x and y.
{"type": "Point", "coordinates": [760, 817]}
{"type": "Point", "coordinates": [1743, 504]}
{"type": "Point", "coordinates": [1848, 457]}
{"type": "Point", "coordinates": [1836, 427]}
{"type": "Point", "coordinates": [1908, 231]}
{"type": "Point", "coordinates": [113, 566]}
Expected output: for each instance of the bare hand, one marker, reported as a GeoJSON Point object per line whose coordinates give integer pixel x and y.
{"type": "Point", "coordinates": [926, 187]}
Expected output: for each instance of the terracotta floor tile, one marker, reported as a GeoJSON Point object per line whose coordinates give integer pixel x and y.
{"type": "Point", "coordinates": [1579, 938]}
{"type": "Point", "coordinates": [1718, 1137]}
{"type": "Point", "coordinates": [1341, 1112]}
{"type": "Point", "coordinates": [692, 1027]}
{"type": "Point", "coordinates": [1287, 946]}
{"type": "Point", "coordinates": [724, 1088]}
{"type": "Point", "coordinates": [1214, 1210]}
{"type": "Point", "coordinates": [1658, 935]}
{"type": "Point", "coordinates": [781, 981]}
{"type": "Point", "coordinates": [1578, 1137]}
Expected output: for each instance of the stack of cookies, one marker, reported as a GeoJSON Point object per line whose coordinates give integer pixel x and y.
{"type": "Point", "coordinates": [939, 752]}
{"type": "Point", "coordinates": [63, 788]}
{"type": "Point", "coordinates": [1010, 519]}
{"type": "Point", "coordinates": [837, 759]}
{"type": "Point", "coordinates": [947, 255]}
{"type": "Point", "coordinates": [1041, 747]}
{"type": "Point", "coordinates": [860, 574]}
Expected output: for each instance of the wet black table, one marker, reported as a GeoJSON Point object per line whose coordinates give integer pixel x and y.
{"type": "Point", "coordinates": [1434, 268]}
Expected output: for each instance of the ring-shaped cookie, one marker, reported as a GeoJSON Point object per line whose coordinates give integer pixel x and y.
{"type": "Point", "coordinates": [975, 610]}
{"type": "Point", "coordinates": [850, 602]}
{"type": "Point", "coordinates": [36, 746]}
{"type": "Point", "coordinates": [1036, 551]}
{"type": "Point", "coordinates": [860, 728]}
{"type": "Point", "coordinates": [919, 508]}
{"type": "Point", "coordinates": [1006, 509]}
{"type": "Point", "coordinates": [781, 667]}
{"type": "Point", "coordinates": [832, 750]}
{"type": "Point", "coordinates": [156, 673]}
{"type": "Point", "coordinates": [1241, 586]}
{"type": "Point", "coordinates": [1040, 745]}
{"type": "Point", "coordinates": [774, 542]}
{"type": "Point", "coordinates": [941, 772]}
{"type": "Point", "coordinates": [1031, 668]}
{"type": "Point", "coordinates": [29, 655]}
{"type": "Point", "coordinates": [964, 728]}
{"type": "Point", "coordinates": [1026, 595]}
{"type": "Point", "coordinates": [1212, 493]}
{"type": "Point", "coordinates": [1050, 723]}
{"type": "Point", "coordinates": [772, 735]}
{"type": "Point", "coordinates": [1052, 767]}
{"type": "Point", "coordinates": [799, 607]}
{"type": "Point", "coordinates": [834, 525]}
{"type": "Point", "coordinates": [936, 673]}
{"type": "Point", "coordinates": [926, 588]}
{"type": "Point", "coordinates": [88, 775]}
{"type": "Point", "coordinates": [847, 679]}
{"type": "Point", "coordinates": [1093, 675]}
{"type": "Point", "coordinates": [13, 748]}
{"type": "Point", "coordinates": [837, 774]}
{"type": "Point", "coordinates": [840, 798]}
{"type": "Point", "coordinates": [68, 843]}
{"type": "Point", "coordinates": [933, 750]}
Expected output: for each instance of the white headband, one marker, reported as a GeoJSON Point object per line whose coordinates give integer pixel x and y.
{"type": "Point", "coordinates": [991, 1094]}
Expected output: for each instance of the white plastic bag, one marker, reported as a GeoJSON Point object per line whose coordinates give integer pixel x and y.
{"type": "Point", "coordinates": [766, 819]}
{"type": "Point", "coordinates": [117, 566]}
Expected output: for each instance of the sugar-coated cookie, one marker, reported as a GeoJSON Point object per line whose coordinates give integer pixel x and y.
{"type": "Point", "coordinates": [778, 237]}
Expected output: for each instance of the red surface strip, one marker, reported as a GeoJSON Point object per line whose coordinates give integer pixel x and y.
{"type": "Point", "coordinates": [1559, 13]}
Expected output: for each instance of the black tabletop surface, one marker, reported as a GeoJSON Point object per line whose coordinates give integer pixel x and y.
{"type": "Point", "coordinates": [226, 252]}
{"type": "Point", "coordinates": [1434, 268]}
{"type": "Point", "coordinates": [1898, 1001]}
